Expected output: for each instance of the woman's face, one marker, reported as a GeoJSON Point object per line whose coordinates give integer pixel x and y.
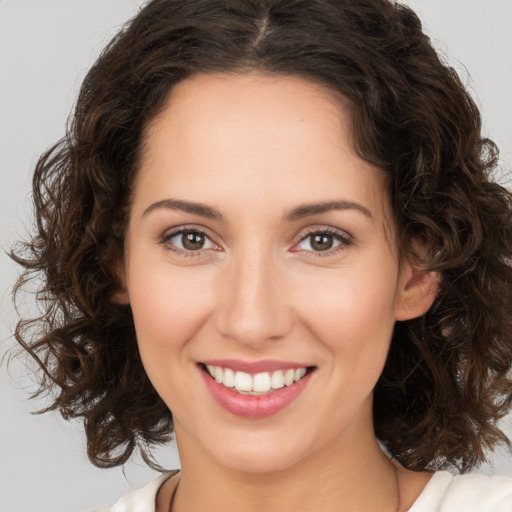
{"type": "Point", "coordinates": [260, 248]}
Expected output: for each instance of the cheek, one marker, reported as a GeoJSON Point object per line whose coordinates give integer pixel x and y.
{"type": "Point", "coordinates": [354, 314]}
{"type": "Point", "coordinates": [168, 308]}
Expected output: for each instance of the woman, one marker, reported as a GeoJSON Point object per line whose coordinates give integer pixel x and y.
{"type": "Point", "coordinates": [275, 219]}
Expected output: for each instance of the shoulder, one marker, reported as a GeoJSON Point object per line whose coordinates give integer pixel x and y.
{"type": "Point", "coordinates": [471, 493]}
{"type": "Point", "coordinates": [140, 500]}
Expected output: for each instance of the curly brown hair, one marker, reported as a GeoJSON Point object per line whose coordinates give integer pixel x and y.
{"type": "Point", "coordinates": [446, 382]}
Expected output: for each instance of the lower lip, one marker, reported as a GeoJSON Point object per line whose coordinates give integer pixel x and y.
{"type": "Point", "coordinates": [254, 406]}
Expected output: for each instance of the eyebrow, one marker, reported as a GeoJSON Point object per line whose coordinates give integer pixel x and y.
{"type": "Point", "coordinates": [307, 210]}
{"type": "Point", "coordinates": [304, 210]}
{"type": "Point", "coordinates": [186, 206]}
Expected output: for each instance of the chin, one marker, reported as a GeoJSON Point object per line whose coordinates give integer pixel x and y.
{"type": "Point", "coordinates": [259, 452]}
{"type": "Point", "coordinates": [259, 463]}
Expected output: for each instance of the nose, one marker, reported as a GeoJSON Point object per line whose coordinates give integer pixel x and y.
{"type": "Point", "coordinates": [254, 307]}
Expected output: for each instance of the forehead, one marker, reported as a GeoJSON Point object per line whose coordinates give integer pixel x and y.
{"type": "Point", "coordinates": [222, 137]}
{"type": "Point", "coordinates": [281, 107]}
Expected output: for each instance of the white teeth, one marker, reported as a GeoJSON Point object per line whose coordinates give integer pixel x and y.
{"type": "Point", "coordinates": [243, 381]}
{"type": "Point", "coordinates": [229, 378]}
{"type": "Point", "coordinates": [289, 377]}
{"type": "Point", "coordinates": [278, 380]}
{"type": "Point", "coordinates": [259, 383]}
{"type": "Point", "coordinates": [299, 373]}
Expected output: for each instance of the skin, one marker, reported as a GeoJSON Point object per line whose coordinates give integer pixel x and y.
{"type": "Point", "coordinates": [254, 148]}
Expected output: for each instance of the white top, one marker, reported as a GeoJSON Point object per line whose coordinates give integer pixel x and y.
{"type": "Point", "coordinates": [465, 493]}
{"type": "Point", "coordinates": [443, 493]}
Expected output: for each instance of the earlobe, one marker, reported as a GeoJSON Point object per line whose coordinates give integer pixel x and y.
{"type": "Point", "coordinates": [418, 290]}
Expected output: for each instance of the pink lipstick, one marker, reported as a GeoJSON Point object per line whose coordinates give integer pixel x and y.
{"type": "Point", "coordinates": [254, 389]}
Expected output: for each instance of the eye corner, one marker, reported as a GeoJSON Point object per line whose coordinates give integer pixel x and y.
{"type": "Point", "coordinates": [188, 241]}
{"type": "Point", "coordinates": [335, 239]}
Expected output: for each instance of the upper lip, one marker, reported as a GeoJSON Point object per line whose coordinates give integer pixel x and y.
{"type": "Point", "coordinates": [253, 367]}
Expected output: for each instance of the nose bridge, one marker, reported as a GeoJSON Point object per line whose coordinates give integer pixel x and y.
{"type": "Point", "coordinates": [254, 308]}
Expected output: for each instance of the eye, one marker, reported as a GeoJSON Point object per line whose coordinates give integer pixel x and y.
{"type": "Point", "coordinates": [323, 241]}
{"type": "Point", "coordinates": [188, 240]}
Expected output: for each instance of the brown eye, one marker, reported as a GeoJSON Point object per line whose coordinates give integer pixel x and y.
{"type": "Point", "coordinates": [193, 241]}
{"type": "Point", "coordinates": [322, 242]}
{"type": "Point", "coordinates": [189, 240]}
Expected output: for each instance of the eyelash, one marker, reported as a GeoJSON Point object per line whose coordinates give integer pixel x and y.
{"type": "Point", "coordinates": [344, 240]}
{"type": "Point", "coordinates": [183, 252]}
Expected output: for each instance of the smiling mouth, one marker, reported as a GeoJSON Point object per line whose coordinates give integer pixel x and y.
{"type": "Point", "coordinates": [255, 384]}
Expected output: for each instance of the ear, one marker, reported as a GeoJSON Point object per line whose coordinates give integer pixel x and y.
{"type": "Point", "coordinates": [120, 294]}
{"type": "Point", "coordinates": [417, 291]}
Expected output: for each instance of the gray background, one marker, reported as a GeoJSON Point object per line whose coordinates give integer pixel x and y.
{"type": "Point", "coordinates": [46, 46]}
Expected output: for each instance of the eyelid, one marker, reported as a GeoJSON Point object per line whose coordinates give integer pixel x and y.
{"type": "Point", "coordinates": [177, 230]}
{"type": "Point", "coordinates": [345, 239]}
